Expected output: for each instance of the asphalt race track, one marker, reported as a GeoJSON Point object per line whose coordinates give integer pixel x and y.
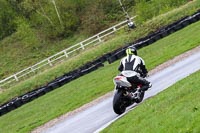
{"type": "Point", "coordinates": [97, 117]}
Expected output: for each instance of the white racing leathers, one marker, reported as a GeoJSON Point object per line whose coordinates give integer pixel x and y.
{"type": "Point", "coordinates": [133, 67]}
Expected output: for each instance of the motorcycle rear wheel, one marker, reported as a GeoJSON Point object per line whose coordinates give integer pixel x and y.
{"type": "Point", "coordinates": [119, 106]}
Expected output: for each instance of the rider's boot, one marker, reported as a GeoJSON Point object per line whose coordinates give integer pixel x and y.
{"type": "Point", "coordinates": [146, 87]}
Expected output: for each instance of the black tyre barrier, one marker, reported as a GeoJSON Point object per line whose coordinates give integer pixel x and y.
{"type": "Point", "coordinates": [142, 44]}
{"type": "Point", "coordinates": [198, 16]}
{"type": "Point", "coordinates": [94, 65]}
{"type": "Point", "coordinates": [63, 80]}
{"type": "Point", "coordinates": [3, 110]}
{"type": "Point", "coordinates": [178, 27]}
{"type": "Point", "coordinates": [108, 55]}
{"type": "Point", "coordinates": [157, 37]}
{"type": "Point", "coordinates": [100, 59]}
{"type": "Point", "coordinates": [17, 102]}
{"type": "Point", "coordinates": [25, 98]}
{"type": "Point", "coordinates": [185, 23]}
{"type": "Point", "coordinates": [58, 82]}
{"type": "Point", "coordinates": [53, 85]}
{"type": "Point", "coordinates": [172, 30]}
{"type": "Point", "coordinates": [10, 106]}
{"type": "Point", "coordinates": [163, 32]}
{"type": "Point", "coordinates": [121, 54]}
{"type": "Point", "coordinates": [112, 59]}
{"type": "Point", "coordinates": [46, 90]}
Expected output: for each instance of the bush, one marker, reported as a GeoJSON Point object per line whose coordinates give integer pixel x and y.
{"type": "Point", "coordinates": [147, 9]}
{"type": "Point", "coordinates": [7, 15]}
{"type": "Point", "coordinates": [61, 19]}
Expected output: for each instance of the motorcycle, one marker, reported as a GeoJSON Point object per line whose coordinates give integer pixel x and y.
{"type": "Point", "coordinates": [126, 93]}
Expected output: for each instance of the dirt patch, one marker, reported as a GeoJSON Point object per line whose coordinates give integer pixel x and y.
{"type": "Point", "coordinates": [86, 106]}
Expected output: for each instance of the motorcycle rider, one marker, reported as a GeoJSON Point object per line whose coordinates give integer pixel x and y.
{"type": "Point", "coordinates": [136, 66]}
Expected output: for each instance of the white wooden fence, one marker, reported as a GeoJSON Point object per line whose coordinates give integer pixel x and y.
{"type": "Point", "coordinates": [64, 54]}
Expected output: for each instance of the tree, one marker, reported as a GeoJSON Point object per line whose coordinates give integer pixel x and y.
{"type": "Point", "coordinates": [7, 16]}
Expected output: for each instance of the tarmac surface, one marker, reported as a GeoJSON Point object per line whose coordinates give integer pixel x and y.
{"type": "Point", "coordinates": [101, 115]}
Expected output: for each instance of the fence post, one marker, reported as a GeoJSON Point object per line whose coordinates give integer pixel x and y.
{"type": "Point", "coordinates": [82, 46]}
{"type": "Point", "coordinates": [65, 52]}
{"type": "Point", "coordinates": [114, 28]}
{"type": "Point", "coordinates": [99, 38]}
{"type": "Point", "coordinates": [32, 69]}
{"type": "Point", "coordinates": [50, 62]}
{"type": "Point", "coordinates": [15, 76]}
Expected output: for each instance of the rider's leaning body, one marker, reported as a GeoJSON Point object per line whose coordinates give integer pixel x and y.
{"type": "Point", "coordinates": [136, 66]}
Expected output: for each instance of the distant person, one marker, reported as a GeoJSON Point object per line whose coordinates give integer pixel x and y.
{"type": "Point", "coordinates": [131, 25]}
{"type": "Point", "coordinates": [135, 65]}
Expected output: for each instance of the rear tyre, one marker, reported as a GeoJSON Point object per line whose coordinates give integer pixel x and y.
{"type": "Point", "coordinates": [119, 106]}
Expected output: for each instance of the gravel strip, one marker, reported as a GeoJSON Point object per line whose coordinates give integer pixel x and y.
{"type": "Point", "coordinates": [86, 106]}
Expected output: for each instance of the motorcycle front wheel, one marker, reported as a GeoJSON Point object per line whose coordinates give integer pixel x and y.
{"type": "Point", "coordinates": [141, 97]}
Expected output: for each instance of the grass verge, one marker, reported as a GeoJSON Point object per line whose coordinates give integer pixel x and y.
{"type": "Point", "coordinates": [175, 110]}
{"type": "Point", "coordinates": [93, 85]}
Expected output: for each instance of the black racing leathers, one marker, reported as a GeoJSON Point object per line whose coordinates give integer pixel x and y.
{"type": "Point", "coordinates": [137, 64]}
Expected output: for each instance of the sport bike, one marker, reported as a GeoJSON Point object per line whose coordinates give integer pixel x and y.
{"type": "Point", "coordinates": [125, 93]}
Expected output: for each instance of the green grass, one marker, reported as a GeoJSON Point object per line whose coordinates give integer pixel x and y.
{"type": "Point", "coordinates": [175, 110]}
{"type": "Point", "coordinates": [93, 85]}
{"type": "Point", "coordinates": [117, 40]}
{"type": "Point", "coordinates": [20, 53]}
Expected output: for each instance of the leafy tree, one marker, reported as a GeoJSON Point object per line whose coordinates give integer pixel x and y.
{"type": "Point", "coordinates": [7, 15]}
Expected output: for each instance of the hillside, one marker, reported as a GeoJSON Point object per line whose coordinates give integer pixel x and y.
{"type": "Point", "coordinates": [35, 30]}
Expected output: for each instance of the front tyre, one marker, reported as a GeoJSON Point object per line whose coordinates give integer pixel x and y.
{"type": "Point", "coordinates": [118, 103]}
{"type": "Point", "coordinates": [141, 97]}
